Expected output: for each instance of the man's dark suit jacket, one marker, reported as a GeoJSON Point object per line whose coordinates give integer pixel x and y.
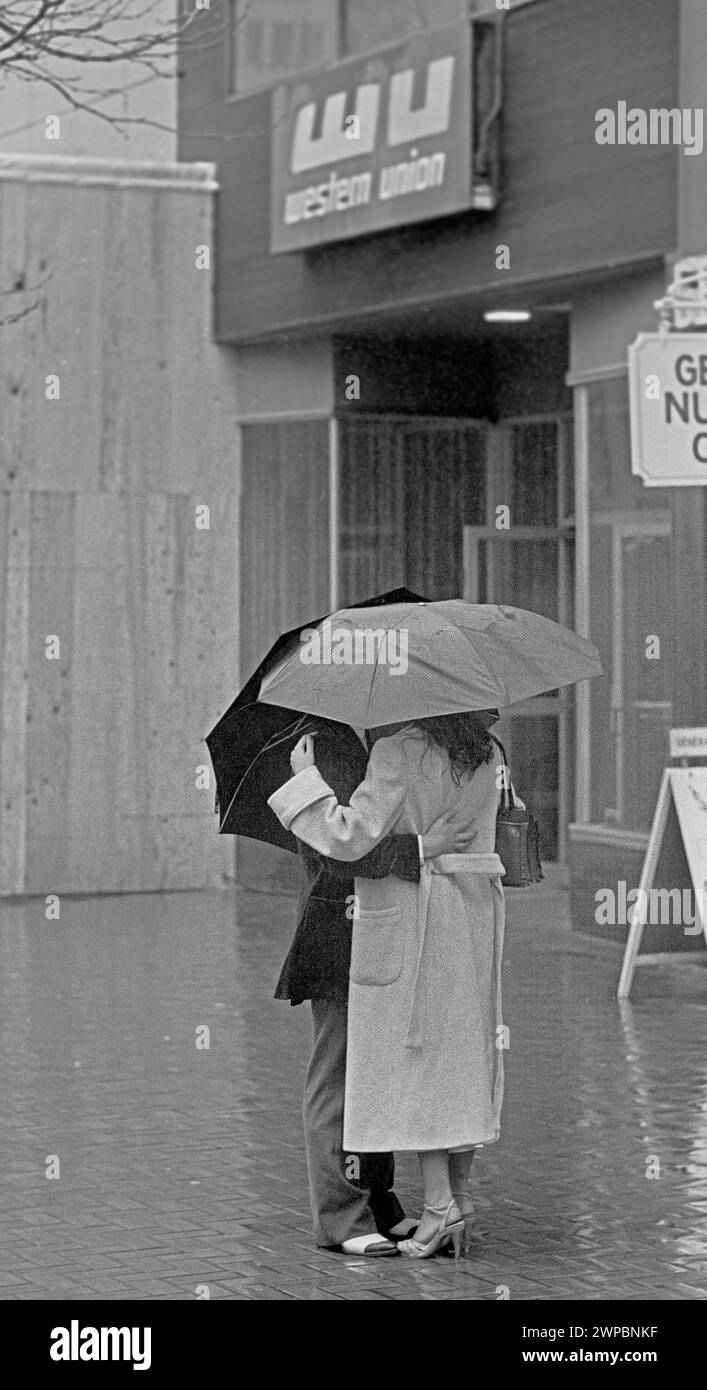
{"type": "Point", "coordinates": [317, 964]}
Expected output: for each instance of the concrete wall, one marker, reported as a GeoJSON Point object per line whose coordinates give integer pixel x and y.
{"type": "Point", "coordinates": [99, 545]}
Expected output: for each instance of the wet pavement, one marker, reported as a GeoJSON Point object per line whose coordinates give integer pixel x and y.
{"type": "Point", "coordinates": [138, 1162]}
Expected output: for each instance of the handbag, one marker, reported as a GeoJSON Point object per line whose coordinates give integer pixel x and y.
{"type": "Point", "coordinates": [517, 836]}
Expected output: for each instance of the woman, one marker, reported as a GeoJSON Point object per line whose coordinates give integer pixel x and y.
{"type": "Point", "coordinates": [423, 1068]}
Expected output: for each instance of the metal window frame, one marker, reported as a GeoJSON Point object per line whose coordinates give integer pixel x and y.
{"type": "Point", "coordinates": [654, 522]}
{"type": "Point", "coordinates": [582, 596]}
{"type": "Point", "coordinates": [334, 510]}
{"type": "Point", "coordinates": [233, 92]}
{"type": "Point", "coordinates": [622, 530]}
{"type": "Point", "coordinates": [498, 466]}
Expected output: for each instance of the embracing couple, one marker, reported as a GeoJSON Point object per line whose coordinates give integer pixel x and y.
{"type": "Point", "coordinates": [398, 946]}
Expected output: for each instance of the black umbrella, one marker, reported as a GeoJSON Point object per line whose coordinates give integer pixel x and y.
{"type": "Point", "coordinates": [250, 745]}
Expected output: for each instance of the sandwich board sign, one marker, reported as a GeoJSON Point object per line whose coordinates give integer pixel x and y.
{"type": "Point", "coordinates": [688, 743]}
{"type": "Point", "coordinates": [684, 788]}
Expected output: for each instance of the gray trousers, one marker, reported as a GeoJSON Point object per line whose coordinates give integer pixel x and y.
{"type": "Point", "coordinates": [343, 1205]}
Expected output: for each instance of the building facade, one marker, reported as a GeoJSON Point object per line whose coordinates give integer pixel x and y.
{"type": "Point", "coordinates": [314, 351]}
{"type": "Point", "coordinates": [384, 422]}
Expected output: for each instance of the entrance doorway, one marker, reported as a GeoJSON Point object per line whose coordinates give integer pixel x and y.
{"type": "Point", "coordinates": [418, 500]}
{"type": "Point", "coordinates": [407, 488]}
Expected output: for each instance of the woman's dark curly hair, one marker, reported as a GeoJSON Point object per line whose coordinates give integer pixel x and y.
{"type": "Point", "coordinates": [464, 737]}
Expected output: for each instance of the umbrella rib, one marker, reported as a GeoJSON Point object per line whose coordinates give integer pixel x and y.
{"type": "Point", "coordinates": [283, 739]}
{"type": "Point", "coordinates": [503, 685]}
{"type": "Point", "coordinates": [410, 609]}
{"type": "Point", "coordinates": [373, 677]}
{"type": "Point", "coordinates": [280, 668]}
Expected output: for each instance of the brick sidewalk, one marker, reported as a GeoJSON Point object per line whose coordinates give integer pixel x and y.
{"type": "Point", "coordinates": [182, 1167]}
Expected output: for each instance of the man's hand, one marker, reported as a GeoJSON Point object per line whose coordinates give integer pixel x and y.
{"type": "Point", "coordinates": [449, 834]}
{"type": "Point", "coordinates": [302, 755]}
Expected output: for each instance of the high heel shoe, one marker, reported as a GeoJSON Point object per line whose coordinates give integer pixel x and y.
{"type": "Point", "coordinates": [448, 1229]}
{"type": "Point", "coordinates": [465, 1203]}
{"type": "Point", "coordinates": [466, 1206]}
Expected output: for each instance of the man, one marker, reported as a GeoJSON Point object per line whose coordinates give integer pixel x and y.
{"type": "Point", "coordinates": [354, 1208]}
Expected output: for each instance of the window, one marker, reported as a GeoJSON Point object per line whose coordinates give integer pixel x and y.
{"type": "Point", "coordinates": [270, 39]}
{"type": "Point", "coordinates": [371, 24]}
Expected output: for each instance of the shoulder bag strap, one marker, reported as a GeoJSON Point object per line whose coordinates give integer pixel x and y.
{"type": "Point", "coordinates": [507, 797]}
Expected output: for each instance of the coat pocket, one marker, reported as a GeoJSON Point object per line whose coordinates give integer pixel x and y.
{"type": "Point", "coordinates": [377, 949]}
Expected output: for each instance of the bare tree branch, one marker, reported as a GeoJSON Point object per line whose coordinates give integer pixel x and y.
{"type": "Point", "coordinates": [63, 44]}
{"type": "Point", "coordinates": [89, 31]}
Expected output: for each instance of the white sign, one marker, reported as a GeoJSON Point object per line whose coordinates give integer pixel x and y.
{"type": "Point", "coordinates": [686, 789]}
{"type": "Point", "coordinates": [689, 787]}
{"type": "Point", "coordinates": [688, 743]}
{"type": "Point", "coordinates": [668, 387]}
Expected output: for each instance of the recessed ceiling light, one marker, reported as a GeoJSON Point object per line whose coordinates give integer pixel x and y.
{"type": "Point", "coordinates": [507, 315]}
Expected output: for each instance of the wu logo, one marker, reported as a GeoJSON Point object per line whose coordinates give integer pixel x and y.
{"type": "Point", "coordinates": [333, 145]}
{"type": "Point", "coordinates": [404, 125]}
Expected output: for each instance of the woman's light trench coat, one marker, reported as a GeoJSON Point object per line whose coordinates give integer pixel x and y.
{"type": "Point", "coordinates": [424, 1065]}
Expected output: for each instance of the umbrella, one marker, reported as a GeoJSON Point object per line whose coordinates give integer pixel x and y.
{"type": "Point", "coordinates": [250, 745]}
{"type": "Point", "coordinates": [427, 659]}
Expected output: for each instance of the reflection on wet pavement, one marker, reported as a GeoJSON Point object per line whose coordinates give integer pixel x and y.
{"type": "Point", "coordinates": [181, 1166]}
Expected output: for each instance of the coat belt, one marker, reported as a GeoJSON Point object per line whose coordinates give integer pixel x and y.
{"type": "Point", "coordinates": [468, 864]}
{"type": "Point", "coordinates": [487, 864]}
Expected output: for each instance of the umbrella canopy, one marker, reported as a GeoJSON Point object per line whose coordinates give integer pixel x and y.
{"type": "Point", "coordinates": [250, 745]}
{"type": "Point", "coordinates": [247, 811]}
{"type": "Point", "coordinates": [419, 660]}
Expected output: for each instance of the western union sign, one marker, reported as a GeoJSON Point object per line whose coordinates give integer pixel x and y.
{"type": "Point", "coordinates": [373, 142]}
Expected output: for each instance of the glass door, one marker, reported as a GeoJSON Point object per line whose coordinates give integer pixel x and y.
{"type": "Point", "coordinates": [407, 487]}
{"type": "Point", "coordinates": [640, 702]}
{"type": "Point", "coordinates": [523, 556]}
{"type": "Point", "coordinates": [421, 504]}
